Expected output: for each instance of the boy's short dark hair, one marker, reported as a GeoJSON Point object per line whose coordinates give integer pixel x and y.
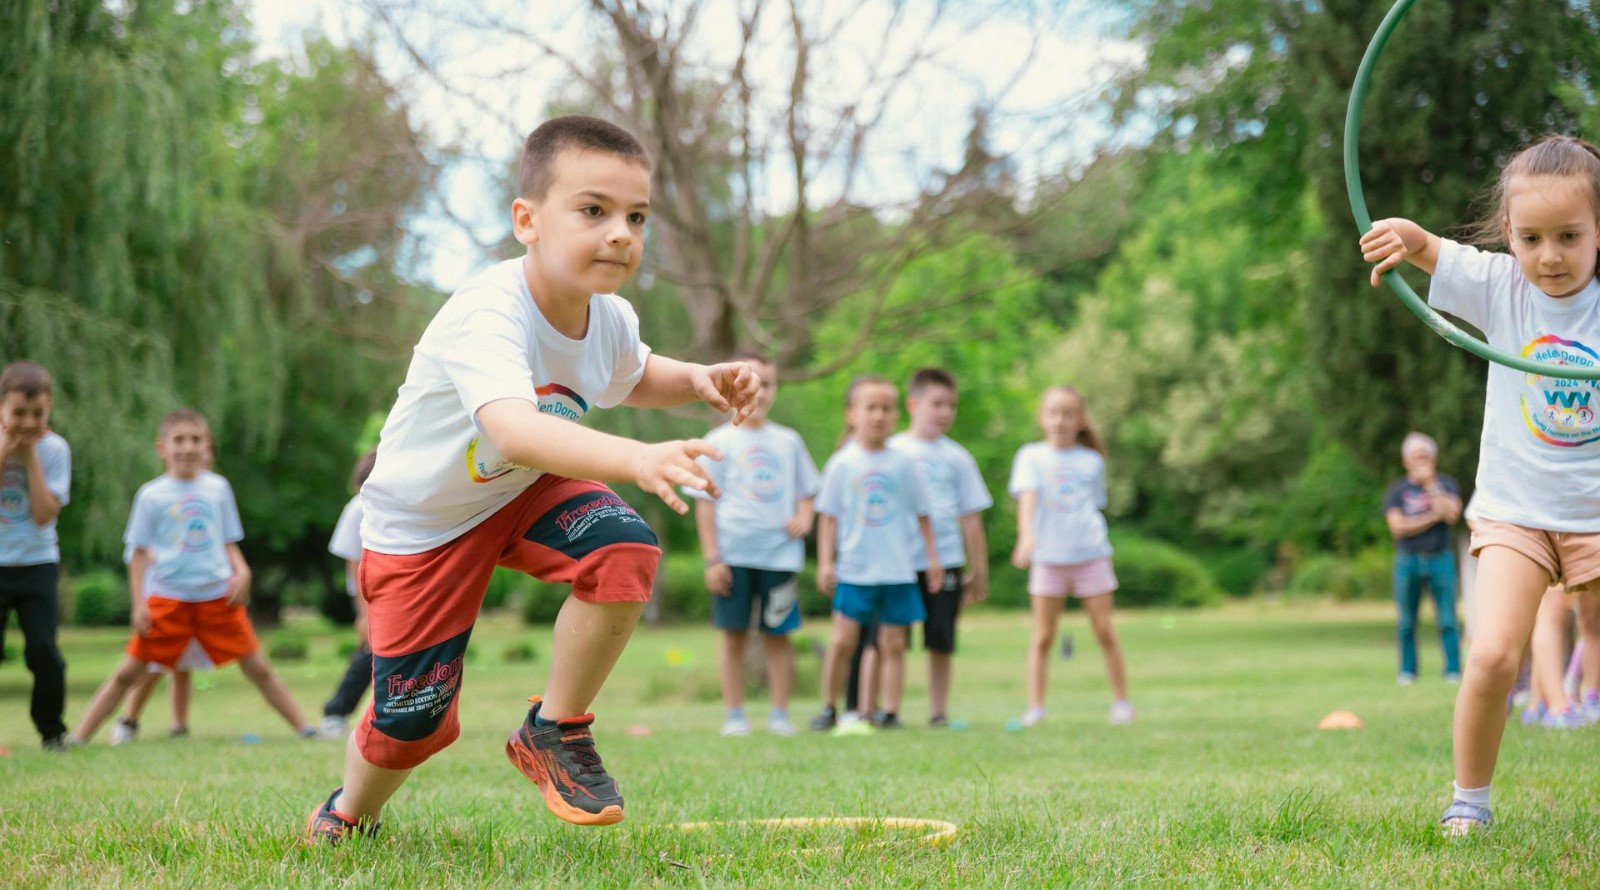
{"type": "Point", "coordinates": [183, 415]}
{"type": "Point", "coordinates": [28, 378]}
{"type": "Point", "coordinates": [923, 378]}
{"type": "Point", "coordinates": [574, 132]}
{"type": "Point", "coordinates": [363, 469]}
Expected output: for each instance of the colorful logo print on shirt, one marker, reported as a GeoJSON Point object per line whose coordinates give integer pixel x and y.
{"type": "Point", "coordinates": [1068, 492]}
{"type": "Point", "coordinates": [561, 401]}
{"type": "Point", "coordinates": [484, 463]}
{"type": "Point", "coordinates": [190, 524]}
{"type": "Point", "coordinates": [1559, 410]}
{"type": "Point", "coordinates": [760, 475]}
{"type": "Point", "coordinates": [14, 495]}
{"type": "Point", "coordinates": [877, 495]}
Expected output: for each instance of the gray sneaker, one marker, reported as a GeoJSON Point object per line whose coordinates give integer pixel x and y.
{"type": "Point", "coordinates": [562, 761]}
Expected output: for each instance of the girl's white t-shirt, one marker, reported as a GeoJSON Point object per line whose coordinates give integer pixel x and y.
{"type": "Point", "coordinates": [1068, 526]}
{"type": "Point", "coordinates": [763, 474]}
{"type": "Point", "coordinates": [955, 489]}
{"type": "Point", "coordinates": [346, 540]}
{"type": "Point", "coordinates": [876, 497]}
{"type": "Point", "coordinates": [437, 474]}
{"type": "Point", "coordinates": [1539, 458]}
{"type": "Point", "coordinates": [187, 525]}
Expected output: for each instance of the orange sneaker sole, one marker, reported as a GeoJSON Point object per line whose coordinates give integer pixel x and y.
{"type": "Point", "coordinates": [536, 774]}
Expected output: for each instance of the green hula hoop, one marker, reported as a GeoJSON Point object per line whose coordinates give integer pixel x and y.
{"type": "Point", "coordinates": [1358, 205]}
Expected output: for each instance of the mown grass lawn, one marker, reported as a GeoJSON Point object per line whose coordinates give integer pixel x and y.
{"type": "Point", "coordinates": [1224, 780]}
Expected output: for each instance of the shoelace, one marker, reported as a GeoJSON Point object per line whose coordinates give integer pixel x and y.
{"type": "Point", "coordinates": [580, 745]}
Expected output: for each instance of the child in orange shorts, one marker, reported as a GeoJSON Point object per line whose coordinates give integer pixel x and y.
{"type": "Point", "coordinates": [187, 577]}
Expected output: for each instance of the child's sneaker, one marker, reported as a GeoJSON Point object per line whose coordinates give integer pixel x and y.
{"type": "Point", "coordinates": [1033, 717]}
{"type": "Point", "coordinates": [828, 719]}
{"type": "Point", "coordinates": [1462, 819]}
{"type": "Point", "coordinates": [778, 724]}
{"type": "Point", "coordinates": [852, 723]}
{"type": "Point", "coordinates": [329, 826]}
{"type": "Point", "coordinates": [1590, 708]}
{"type": "Point", "coordinates": [1121, 713]}
{"type": "Point", "coordinates": [1566, 719]}
{"type": "Point", "coordinates": [562, 761]}
{"type": "Point", "coordinates": [178, 732]}
{"type": "Point", "coordinates": [1534, 714]}
{"type": "Point", "coordinates": [333, 727]}
{"type": "Point", "coordinates": [938, 721]}
{"type": "Point", "coordinates": [124, 731]}
{"type": "Point", "coordinates": [1406, 678]}
{"type": "Point", "coordinates": [735, 727]}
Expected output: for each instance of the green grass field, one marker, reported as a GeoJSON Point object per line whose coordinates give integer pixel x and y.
{"type": "Point", "coordinates": [1223, 781]}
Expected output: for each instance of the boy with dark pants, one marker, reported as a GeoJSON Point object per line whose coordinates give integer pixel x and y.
{"type": "Point", "coordinates": [753, 539]}
{"type": "Point", "coordinates": [480, 464]}
{"type": "Point", "coordinates": [957, 497]}
{"type": "Point", "coordinates": [35, 475]}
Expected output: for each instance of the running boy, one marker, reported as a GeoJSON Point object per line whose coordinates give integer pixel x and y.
{"type": "Point", "coordinates": [481, 463]}
{"type": "Point", "coordinates": [957, 498]}
{"type": "Point", "coordinates": [872, 507]}
{"type": "Point", "coordinates": [188, 579]}
{"type": "Point", "coordinates": [753, 542]}
{"type": "Point", "coordinates": [35, 474]}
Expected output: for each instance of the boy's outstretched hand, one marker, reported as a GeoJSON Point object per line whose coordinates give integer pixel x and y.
{"type": "Point", "coordinates": [728, 386]}
{"type": "Point", "coordinates": [662, 467]}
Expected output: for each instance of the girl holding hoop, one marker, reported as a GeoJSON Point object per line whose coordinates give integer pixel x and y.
{"type": "Point", "coordinates": [1538, 485]}
{"type": "Point", "coordinates": [1060, 487]}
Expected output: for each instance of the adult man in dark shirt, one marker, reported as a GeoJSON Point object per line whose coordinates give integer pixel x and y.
{"type": "Point", "coordinates": [1420, 507]}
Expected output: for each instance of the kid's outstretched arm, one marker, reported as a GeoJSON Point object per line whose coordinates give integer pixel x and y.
{"type": "Point", "coordinates": [728, 386]}
{"type": "Point", "coordinates": [530, 439]}
{"type": "Point", "coordinates": [1395, 239]}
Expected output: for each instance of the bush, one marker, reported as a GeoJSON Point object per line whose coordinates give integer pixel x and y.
{"type": "Point", "coordinates": [1155, 573]}
{"type": "Point", "coordinates": [1367, 575]}
{"type": "Point", "coordinates": [288, 647]}
{"type": "Point", "coordinates": [519, 652]}
{"type": "Point", "coordinates": [1238, 572]}
{"type": "Point", "coordinates": [501, 586]}
{"type": "Point", "coordinates": [540, 602]}
{"type": "Point", "coordinates": [100, 599]}
{"type": "Point", "coordinates": [681, 585]}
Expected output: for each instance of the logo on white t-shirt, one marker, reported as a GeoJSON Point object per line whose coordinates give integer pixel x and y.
{"type": "Point", "coordinates": [191, 522]}
{"type": "Point", "coordinates": [877, 498]}
{"type": "Point", "coordinates": [761, 474]}
{"type": "Point", "coordinates": [1559, 410]}
{"type": "Point", "coordinates": [561, 401]}
{"type": "Point", "coordinates": [1067, 492]}
{"type": "Point", "coordinates": [484, 463]}
{"type": "Point", "coordinates": [13, 495]}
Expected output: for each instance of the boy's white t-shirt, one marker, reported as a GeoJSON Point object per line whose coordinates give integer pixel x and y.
{"type": "Point", "coordinates": [186, 524]}
{"type": "Point", "coordinates": [346, 540]}
{"type": "Point", "coordinates": [876, 497]}
{"type": "Point", "coordinates": [437, 474]}
{"type": "Point", "coordinates": [763, 474]}
{"type": "Point", "coordinates": [24, 542]}
{"type": "Point", "coordinates": [1068, 526]}
{"type": "Point", "coordinates": [955, 489]}
{"type": "Point", "coordinates": [1539, 459]}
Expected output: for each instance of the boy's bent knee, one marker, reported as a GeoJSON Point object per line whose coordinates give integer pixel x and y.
{"type": "Point", "coordinates": [618, 573]}
{"type": "Point", "coordinates": [413, 713]}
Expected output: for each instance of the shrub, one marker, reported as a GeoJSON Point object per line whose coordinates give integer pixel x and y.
{"type": "Point", "coordinates": [287, 646]}
{"type": "Point", "coordinates": [1367, 575]}
{"type": "Point", "coordinates": [519, 652]}
{"type": "Point", "coordinates": [501, 585]}
{"type": "Point", "coordinates": [540, 602]}
{"type": "Point", "coordinates": [1238, 572]}
{"type": "Point", "coordinates": [100, 599]}
{"type": "Point", "coordinates": [1155, 573]}
{"type": "Point", "coordinates": [682, 587]}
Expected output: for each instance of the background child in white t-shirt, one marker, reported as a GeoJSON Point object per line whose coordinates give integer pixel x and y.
{"type": "Point", "coordinates": [871, 510]}
{"type": "Point", "coordinates": [346, 544]}
{"type": "Point", "coordinates": [1060, 487]}
{"type": "Point", "coordinates": [753, 541]}
{"type": "Point", "coordinates": [1537, 503]}
{"type": "Point", "coordinates": [125, 728]}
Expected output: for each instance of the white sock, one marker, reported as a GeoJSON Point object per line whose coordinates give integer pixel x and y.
{"type": "Point", "coordinates": [1478, 797]}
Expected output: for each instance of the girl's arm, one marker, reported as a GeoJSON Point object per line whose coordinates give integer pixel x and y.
{"type": "Point", "coordinates": [1395, 239]}
{"type": "Point", "coordinates": [1027, 501]}
{"type": "Point", "coordinates": [827, 528]}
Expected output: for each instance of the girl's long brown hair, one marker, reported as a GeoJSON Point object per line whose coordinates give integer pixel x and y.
{"type": "Point", "coordinates": [1554, 156]}
{"type": "Point", "coordinates": [1088, 434]}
